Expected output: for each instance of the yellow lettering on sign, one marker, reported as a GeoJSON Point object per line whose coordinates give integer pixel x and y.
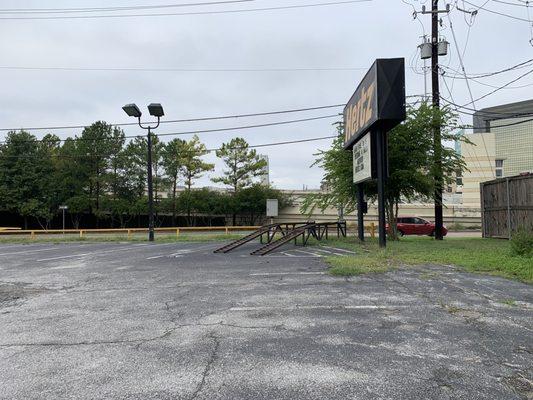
{"type": "Point", "coordinates": [359, 114]}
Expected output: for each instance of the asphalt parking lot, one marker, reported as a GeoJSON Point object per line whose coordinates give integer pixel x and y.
{"type": "Point", "coordinates": [175, 321]}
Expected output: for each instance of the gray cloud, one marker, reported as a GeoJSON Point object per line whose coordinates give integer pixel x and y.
{"type": "Point", "coordinates": [340, 36]}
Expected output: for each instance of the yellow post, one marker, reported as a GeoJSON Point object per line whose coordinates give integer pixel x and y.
{"type": "Point", "coordinates": [32, 235]}
{"type": "Point", "coordinates": [177, 232]}
{"type": "Point", "coordinates": [227, 230]}
{"type": "Point", "coordinates": [81, 234]}
{"type": "Point", "coordinates": [373, 230]}
{"type": "Point", "coordinates": [129, 234]}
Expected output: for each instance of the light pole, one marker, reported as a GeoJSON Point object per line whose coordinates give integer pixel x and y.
{"type": "Point", "coordinates": [156, 110]}
{"type": "Point", "coordinates": [63, 208]}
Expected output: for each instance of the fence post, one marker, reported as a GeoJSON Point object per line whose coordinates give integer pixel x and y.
{"type": "Point", "coordinates": [373, 230]}
{"type": "Point", "coordinates": [81, 234]}
{"type": "Point", "coordinates": [483, 223]}
{"type": "Point", "coordinates": [129, 234]}
{"type": "Point", "coordinates": [509, 230]}
{"type": "Point", "coordinates": [32, 235]}
{"type": "Point", "coordinates": [227, 230]}
{"type": "Point", "coordinates": [177, 232]}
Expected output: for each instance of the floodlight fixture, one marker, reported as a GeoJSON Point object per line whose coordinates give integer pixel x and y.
{"type": "Point", "coordinates": [132, 110]}
{"type": "Point", "coordinates": [156, 110]}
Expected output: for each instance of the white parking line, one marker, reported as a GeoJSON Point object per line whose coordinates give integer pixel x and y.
{"type": "Point", "coordinates": [337, 249]}
{"type": "Point", "coordinates": [363, 307]}
{"type": "Point", "coordinates": [64, 257]}
{"type": "Point", "coordinates": [308, 252]}
{"type": "Point", "coordinates": [34, 251]}
{"type": "Point", "coordinates": [85, 254]}
{"type": "Point", "coordinates": [330, 252]}
{"type": "Point", "coordinates": [181, 252]}
{"type": "Point", "coordinates": [288, 273]}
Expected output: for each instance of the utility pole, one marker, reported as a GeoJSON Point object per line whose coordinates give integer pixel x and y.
{"type": "Point", "coordinates": [437, 137]}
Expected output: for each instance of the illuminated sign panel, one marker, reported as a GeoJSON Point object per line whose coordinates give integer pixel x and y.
{"type": "Point", "coordinates": [378, 102]}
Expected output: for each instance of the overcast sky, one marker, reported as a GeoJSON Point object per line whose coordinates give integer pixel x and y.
{"type": "Point", "coordinates": [336, 36]}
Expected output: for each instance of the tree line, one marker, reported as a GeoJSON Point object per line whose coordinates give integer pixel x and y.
{"type": "Point", "coordinates": [102, 174]}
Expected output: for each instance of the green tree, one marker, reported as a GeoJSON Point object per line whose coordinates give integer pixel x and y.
{"type": "Point", "coordinates": [172, 164]}
{"type": "Point", "coordinates": [26, 171]}
{"type": "Point", "coordinates": [96, 146]}
{"type": "Point", "coordinates": [192, 166]}
{"type": "Point", "coordinates": [411, 164]}
{"type": "Point", "coordinates": [242, 165]}
{"type": "Point", "coordinates": [251, 202]}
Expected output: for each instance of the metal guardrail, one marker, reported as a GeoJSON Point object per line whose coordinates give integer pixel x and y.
{"type": "Point", "coordinates": [33, 233]}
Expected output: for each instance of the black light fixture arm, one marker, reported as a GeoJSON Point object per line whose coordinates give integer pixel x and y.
{"type": "Point", "coordinates": [148, 126]}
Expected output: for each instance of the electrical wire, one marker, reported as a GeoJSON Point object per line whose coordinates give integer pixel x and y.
{"type": "Point", "coordinates": [476, 157]}
{"type": "Point", "coordinates": [500, 115]}
{"type": "Point", "coordinates": [212, 12]}
{"type": "Point", "coordinates": [113, 9]}
{"type": "Point", "coordinates": [500, 87]}
{"type": "Point", "coordinates": [496, 12]}
{"type": "Point", "coordinates": [143, 69]}
{"type": "Point", "coordinates": [259, 114]}
{"type": "Point", "coordinates": [524, 64]}
{"type": "Point", "coordinates": [469, 90]}
{"type": "Point", "coordinates": [197, 131]}
{"type": "Point", "coordinates": [81, 156]}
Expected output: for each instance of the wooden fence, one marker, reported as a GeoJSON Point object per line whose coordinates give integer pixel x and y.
{"type": "Point", "coordinates": [507, 206]}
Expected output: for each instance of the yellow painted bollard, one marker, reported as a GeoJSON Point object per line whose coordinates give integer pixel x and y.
{"type": "Point", "coordinates": [227, 230]}
{"type": "Point", "coordinates": [373, 230]}
{"type": "Point", "coordinates": [32, 235]}
{"type": "Point", "coordinates": [129, 234]}
{"type": "Point", "coordinates": [177, 233]}
{"type": "Point", "coordinates": [81, 234]}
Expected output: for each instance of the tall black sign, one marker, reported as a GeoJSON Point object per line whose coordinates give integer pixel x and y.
{"type": "Point", "coordinates": [378, 102]}
{"type": "Point", "coordinates": [377, 106]}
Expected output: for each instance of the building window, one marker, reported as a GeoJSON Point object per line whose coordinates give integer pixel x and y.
{"type": "Point", "coordinates": [459, 181]}
{"type": "Point", "coordinates": [499, 163]}
{"type": "Point", "coordinates": [499, 173]}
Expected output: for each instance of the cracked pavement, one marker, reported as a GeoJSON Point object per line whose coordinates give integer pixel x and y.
{"type": "Point", "coordinates": [175, 321]}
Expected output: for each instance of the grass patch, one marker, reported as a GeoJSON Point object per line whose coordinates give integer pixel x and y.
{"type": "Point", "coordinates": [509, 302]}
{"type": "Point", "coordinates": [364, 264]}
{"type": "Point", "coordinates": [489, 256]}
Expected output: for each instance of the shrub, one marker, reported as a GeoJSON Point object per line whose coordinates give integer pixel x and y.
{"type": "Point", "coordinates": [522, 243]}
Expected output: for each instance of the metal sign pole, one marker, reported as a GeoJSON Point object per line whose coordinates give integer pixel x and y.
{"type": "Point", "coordinates": [360, 212]}
{"type": "Point", "coordinates": [381, 150]}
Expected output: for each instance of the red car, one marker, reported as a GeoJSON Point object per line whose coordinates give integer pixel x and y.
{"type": "Point", "coordinates": [416, 226]}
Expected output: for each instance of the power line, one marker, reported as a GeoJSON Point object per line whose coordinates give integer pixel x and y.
{"type": "Point", "coordinates": [500, 87]}
{"type": "Point", "coordinates": [243, 10]}
{"type": "Point", "coordinates": [200, 131]}
{"type": "Point", "coordinates": [142, 69]}
{"type": "Point", "coordinates": [81, 156]}
{"type": "Point", "coordinates": [497, 12]}
{"type": "Point", "coordinates": [500, 115]}
{"type": "Point", "coordinates": [523, 64]}
{"type": "Point", "coordinates": [456, 77]}
{"type": "Point", "coordinates": [509, 3]}
{"type": "Point", "coordinates": [469, 89]}
{"type": "Point", "coordinates": [112, 9]}
{"type": "Point", "coordinates": [259, 114]}
{"type": "Point", "coordinates": [451, 96]}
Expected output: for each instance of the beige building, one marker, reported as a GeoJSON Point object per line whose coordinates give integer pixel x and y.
{"type": "Point", "coordinates": [502, 146]}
